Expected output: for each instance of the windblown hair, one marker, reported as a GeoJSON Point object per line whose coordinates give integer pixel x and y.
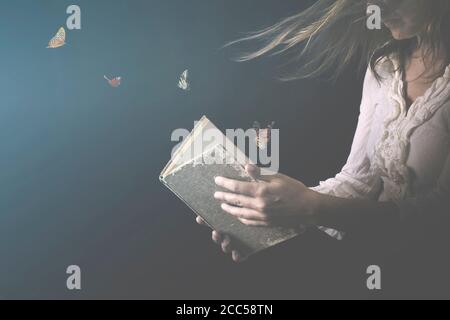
{"type": "Point", "coordinates": [331, 34]}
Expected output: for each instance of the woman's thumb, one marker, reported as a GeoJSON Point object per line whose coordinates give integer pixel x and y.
{"type": "Point", "coordinates": [253, 171]}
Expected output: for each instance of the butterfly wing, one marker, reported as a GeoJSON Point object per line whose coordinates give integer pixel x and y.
{"type": "Point", "coordinates": [183, 82]}
{"type": "Point", "coordinates": [256, 127]}
{"type": "Point", "coordinates": [61, 34]}
{"type": "Point", "coordinates": [263, 138]}
{"type": "Point", "coordinates": [116, 82]}
{"type": "Point", "coordinates": [58, 40]}
{"type": "Point", "coordinates": [263, 135]}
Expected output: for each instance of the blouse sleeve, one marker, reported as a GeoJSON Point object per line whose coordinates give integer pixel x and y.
{"type": "Point", "coordinates": [436, 202]}
{"type": "Point", "coordinates": [356, 179]}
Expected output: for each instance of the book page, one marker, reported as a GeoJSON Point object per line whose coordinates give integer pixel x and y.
{"type": "Point", "coordinates": [203, 137]}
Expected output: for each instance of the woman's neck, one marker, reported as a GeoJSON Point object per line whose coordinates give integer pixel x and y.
{"type": "Point", "coordinates": [421, 69]}
{"type": "Point", "coordinates": [425, 65]}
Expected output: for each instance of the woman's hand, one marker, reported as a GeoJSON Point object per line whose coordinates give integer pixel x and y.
{"type": "Point", "coordinates": [269, 201]}
{"type": "Point", "coordinates": [276, 200]}
{"type": "Point", "coordinates": [224, 242]}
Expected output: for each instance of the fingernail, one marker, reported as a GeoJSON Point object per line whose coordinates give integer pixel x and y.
{"type": "Point", "coordinates": [215, 236]}
{"type": "Point", "coordinates": [216, 195]}
{"type": "Point", "coordinates": [218, 180]}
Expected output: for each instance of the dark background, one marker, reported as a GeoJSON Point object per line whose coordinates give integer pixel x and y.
{"type": "Point", "coordinates": [79, 160]}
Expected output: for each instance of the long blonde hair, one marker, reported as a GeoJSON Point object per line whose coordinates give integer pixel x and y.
{"type": "Point", "coordinates": [331, 34]}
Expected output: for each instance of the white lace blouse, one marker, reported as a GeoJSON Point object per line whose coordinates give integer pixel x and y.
{"type": "Point", "coordinates": [397, 154]}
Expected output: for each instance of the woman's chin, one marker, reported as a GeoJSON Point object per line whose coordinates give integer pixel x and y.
{"type": "Point", "coordinates": [399, 35]}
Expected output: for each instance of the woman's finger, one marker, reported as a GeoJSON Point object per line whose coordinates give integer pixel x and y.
{"type": "Point", "coordinates": [254, 223]}
{"type": "Point", "coordinates": [244, 213]}
{"type": "Point", "coordinates": [238, 200]}
{"type": "Point", "coordinates": [200, 221]}
{"type": "Point", "coordinates": [236, 186]}
{"type": "Point", "coordinates": [253, 171]}
{"type": "Point", "coordinates": [216, 237]}
{"type": "Point", "coordinates": [226, 244]}
{"type": "Point", "coordinates": [237, 257]}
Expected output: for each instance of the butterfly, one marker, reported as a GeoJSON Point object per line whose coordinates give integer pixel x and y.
{"type": "Point", "coordinates": [183, 82]}
{"type": "Point", "coordinates": [263, 135]}
{"type": "Point", "coordinates": [114, 82]}
{"type": "Point", "coordinates": [58, 40]}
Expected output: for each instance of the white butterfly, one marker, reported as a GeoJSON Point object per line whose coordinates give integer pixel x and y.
{"type": "Point", "coordinates": [183, 82]}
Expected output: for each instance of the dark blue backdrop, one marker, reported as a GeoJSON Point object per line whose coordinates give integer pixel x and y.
{"type": "Point", "coordinates": [79, 160]}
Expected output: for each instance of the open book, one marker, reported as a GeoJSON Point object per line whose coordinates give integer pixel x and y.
{"type": "Point", "coordinates": [205, 154]}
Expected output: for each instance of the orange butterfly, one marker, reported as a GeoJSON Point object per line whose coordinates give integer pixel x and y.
{"type": "Point", "coordinates": [114, 82]}
{"type": "Point", "coordinates": [58, 40]}
{"type": "Point", "coordinates": [263, 135]}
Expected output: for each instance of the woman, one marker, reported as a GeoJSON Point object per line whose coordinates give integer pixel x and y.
{"type": "Point", "coordinates": [399, 165]}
